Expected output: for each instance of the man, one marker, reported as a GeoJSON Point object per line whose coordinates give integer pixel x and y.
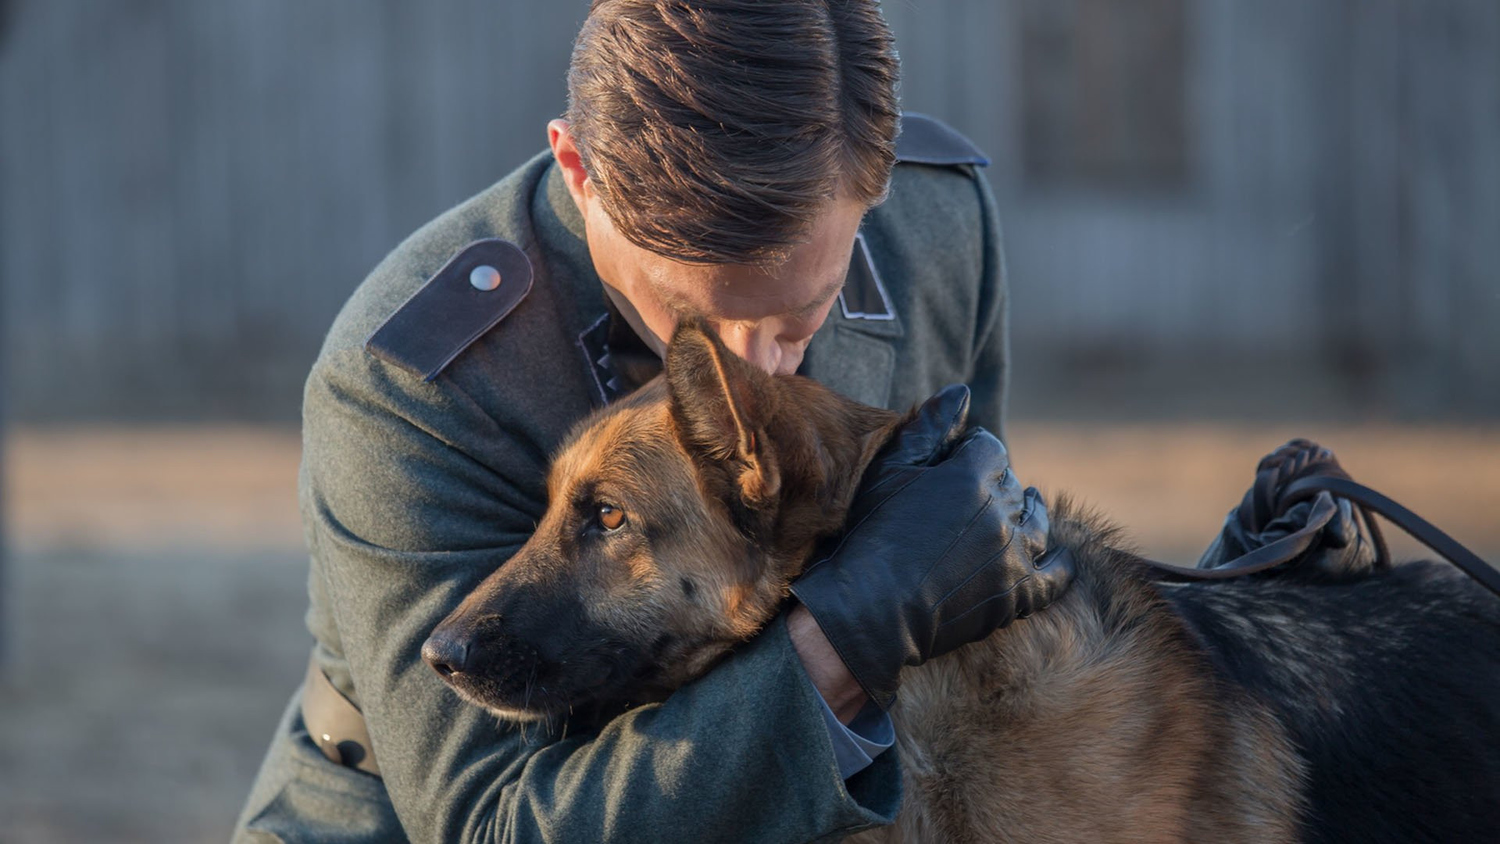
{"type": "Point", "coordinates": [734, 159]}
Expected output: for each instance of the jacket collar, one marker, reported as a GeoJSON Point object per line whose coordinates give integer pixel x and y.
{"type": "Point", "coordinates": [854, 352]}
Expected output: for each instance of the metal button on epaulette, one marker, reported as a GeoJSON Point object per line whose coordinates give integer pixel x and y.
{"type": "Point", "coordinates": [484, 277]}
{"type": "Point", "coordinates": [476, 289]}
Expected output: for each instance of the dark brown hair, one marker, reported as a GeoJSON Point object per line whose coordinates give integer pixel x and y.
{"type": "Point", "coordinates": [714, 130]}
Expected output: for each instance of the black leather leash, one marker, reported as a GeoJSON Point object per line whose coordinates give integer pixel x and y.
{"type": "Point", "coordinates": [1300, 471]}
{"type": "Point", "coordinates": [1424, 531]}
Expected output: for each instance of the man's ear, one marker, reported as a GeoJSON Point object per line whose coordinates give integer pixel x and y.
{"type": "Point", "coordinates": [720, 406]}
{"type": "Point", "coordinates": [570, 161]}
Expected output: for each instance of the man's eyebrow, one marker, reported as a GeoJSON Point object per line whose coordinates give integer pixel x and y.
{"type": "Point", "coordinates": [824, 295]}
{"type": "Point", "coordinates": [683, 306]}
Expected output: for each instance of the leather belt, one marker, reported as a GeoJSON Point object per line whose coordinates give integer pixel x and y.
{"type": "Point", "coordinates": [336, 725]}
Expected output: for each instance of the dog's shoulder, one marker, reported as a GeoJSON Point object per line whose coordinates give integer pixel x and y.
{"type": "Point", "coordinates": [1368, 675]}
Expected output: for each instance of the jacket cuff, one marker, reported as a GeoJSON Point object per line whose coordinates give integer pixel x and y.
{"type": "Point", "coordinates": [856, 745]}
{"type": "Point", "coordinates": [872, 791]}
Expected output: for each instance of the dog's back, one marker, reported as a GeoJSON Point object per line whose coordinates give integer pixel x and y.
{"type": "Point", "coordinates": [1254, 710]}
{"type": "Point", "coordinates": [1388, 685]}
{"type": "Point", "coordinates": [1098, 720]}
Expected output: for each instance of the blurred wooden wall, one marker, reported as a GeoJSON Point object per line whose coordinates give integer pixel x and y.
{"type": "Point", "coordinates": [190, 188]}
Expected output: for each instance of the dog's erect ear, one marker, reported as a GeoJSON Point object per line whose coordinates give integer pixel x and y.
{"type": "Point", "coordinates": [720, 404]}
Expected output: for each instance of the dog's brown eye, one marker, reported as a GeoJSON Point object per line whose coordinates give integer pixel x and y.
{"type": "Point", "coordinates": [611, 517]}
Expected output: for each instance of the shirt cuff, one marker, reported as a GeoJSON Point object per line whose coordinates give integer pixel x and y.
{"type": "Point", "coordinates": [855, 746]}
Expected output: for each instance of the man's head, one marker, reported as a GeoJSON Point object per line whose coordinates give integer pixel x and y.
{"type": "Point", "coordinates": [722, 155]}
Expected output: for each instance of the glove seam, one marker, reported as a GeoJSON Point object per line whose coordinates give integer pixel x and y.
{"type": "Point", "coordinates": [954, 541]}
{"type": "Point", "coordinates": [911, 476]}
{"type": "Point", "coordinates": [917, 474]}
{"type": "Point", "coordinates": [980, 569]}
{"type": "Point", "coordinates": [971, 610]}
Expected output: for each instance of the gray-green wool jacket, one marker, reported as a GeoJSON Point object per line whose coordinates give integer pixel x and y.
{"type": "Point", "coordinates": [412, 490]}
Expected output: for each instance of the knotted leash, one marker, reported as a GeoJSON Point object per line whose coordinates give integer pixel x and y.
{"type": "Point", "coordinates": [1301, 471]}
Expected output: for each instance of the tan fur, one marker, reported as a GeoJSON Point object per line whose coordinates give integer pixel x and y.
{"type": "Point", "coordinates": [1069, 727]}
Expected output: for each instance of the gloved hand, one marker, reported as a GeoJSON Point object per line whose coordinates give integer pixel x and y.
{"type": "Point", "coordinates": [943, 547]}
{"type": "Point", "coordinates": [1341, 549]}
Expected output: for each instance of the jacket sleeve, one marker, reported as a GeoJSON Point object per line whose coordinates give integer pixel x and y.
{"type": "Point", "coordinates": [990, 375]}
{"type": "Point", "coordinates": [409, 495]}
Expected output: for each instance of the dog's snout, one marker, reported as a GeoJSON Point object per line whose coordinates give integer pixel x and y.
{"type": "Point", "coordinates": [447, 654]}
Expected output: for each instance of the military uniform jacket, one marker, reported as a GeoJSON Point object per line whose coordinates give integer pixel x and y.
{"type": "Point", "coordinates": [425, 452]}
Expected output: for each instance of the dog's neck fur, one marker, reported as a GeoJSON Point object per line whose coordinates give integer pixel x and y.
{"type": "Point", "coordinates": [825, 448]}
{"type": "Point", "coordinates": [784, 453]}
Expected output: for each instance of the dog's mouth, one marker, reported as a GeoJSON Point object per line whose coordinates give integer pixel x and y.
{"type": "Point", "coordinates": [520, 683]}
{"type": "Point", "coordinates": [513, 700]}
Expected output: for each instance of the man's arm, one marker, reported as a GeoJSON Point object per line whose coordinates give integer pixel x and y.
{"type": "Point", "coordinates": [404, 519]}
{"type": "Point", "coordinates": [827, 672]}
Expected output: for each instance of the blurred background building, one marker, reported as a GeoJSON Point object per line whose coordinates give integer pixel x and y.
{"type": "Point", "coordinates": [1236, 207]}
{"type": "Point", "coordinates": [1228, 222]}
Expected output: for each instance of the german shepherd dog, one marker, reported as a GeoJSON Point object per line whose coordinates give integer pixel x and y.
{"type": "Point", "coordinates": [1258, 710]}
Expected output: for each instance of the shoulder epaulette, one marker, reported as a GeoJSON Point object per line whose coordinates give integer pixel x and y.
{"type": "Point", "coordinates": [927, 140]}
{"type": "Point", "coordinates": [476, 289]}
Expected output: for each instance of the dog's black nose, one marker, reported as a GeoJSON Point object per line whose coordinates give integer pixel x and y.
{"type": "Point", "coordinates": [446, 655]}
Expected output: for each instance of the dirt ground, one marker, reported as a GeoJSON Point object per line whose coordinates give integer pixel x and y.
{"type": "Point", "coordinates": [153, 590]}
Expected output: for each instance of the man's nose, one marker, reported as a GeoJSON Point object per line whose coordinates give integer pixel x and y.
{"type": "Point", "coordinates": [764, 347]}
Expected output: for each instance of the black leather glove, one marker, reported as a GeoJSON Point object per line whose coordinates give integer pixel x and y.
{"type": "Point", "coordinates": [1341, 548]}
{"type": "Point", "coordinates": [943, 547]}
